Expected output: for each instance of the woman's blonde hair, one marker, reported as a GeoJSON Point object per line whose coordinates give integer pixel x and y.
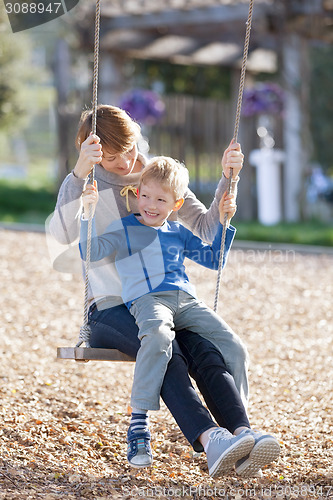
{"type": "Point", "coordinates": [115, 128]}
{"type": "Point", "coordinates": [170, 173]}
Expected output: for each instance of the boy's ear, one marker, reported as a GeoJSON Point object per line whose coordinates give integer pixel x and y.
{"type": "Point", "coordinates": [178, 204]}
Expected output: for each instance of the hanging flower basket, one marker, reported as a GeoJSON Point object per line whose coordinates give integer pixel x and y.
{"type": "Point", "coordinates": [263, 98]}
{"type": "Point", "coordinates": [144, 106]}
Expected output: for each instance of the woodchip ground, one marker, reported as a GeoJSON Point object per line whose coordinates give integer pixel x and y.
{"type": "Point", "coordinates": [63, 424]}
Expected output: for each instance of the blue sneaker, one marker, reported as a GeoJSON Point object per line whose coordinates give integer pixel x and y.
{"type": "Point", "coordinates": [224, 450]}
{"type": "Point", "coordinates": [138, 448]}
{"type": "Point", "coordinates": [265, 450]}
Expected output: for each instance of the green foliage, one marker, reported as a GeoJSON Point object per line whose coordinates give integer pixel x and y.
{"type": "Point", "coordinates": [14, 52]}
{"type": "Point", "coordinates": [203, 81]}
{"type": "Point", "coordinates": [23, 77]}
{"type": "Point", "coordinates": [321, 104]}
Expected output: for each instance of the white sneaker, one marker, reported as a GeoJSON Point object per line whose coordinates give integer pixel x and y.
{"type": "Point", "coordinates": [224, 450]}
{"type": "Point", "coordinates": [265, 451]}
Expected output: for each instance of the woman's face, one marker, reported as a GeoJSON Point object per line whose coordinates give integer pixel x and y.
{"type": "Point", "coordinates": [121, 163]}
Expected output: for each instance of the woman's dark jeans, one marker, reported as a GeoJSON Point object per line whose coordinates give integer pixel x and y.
{"type": "Point", "coordinates": [115, 328]}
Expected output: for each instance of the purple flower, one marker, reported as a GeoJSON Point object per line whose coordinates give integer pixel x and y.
{"type": "Point", "coordinates": [145, 106]}
{"type": "Point", "coordinates": [263, 98]}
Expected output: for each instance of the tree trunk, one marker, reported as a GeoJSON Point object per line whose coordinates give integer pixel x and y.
{"type": "Point", "coordinates": [62, 82]}
{"type": "Point", "coordinates": [295, 74]}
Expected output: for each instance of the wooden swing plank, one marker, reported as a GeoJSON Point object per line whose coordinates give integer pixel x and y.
{"type": "Point", "coordinates": [92, 354]}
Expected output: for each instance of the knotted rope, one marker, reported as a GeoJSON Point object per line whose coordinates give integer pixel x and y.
{"type": "Point", "coordinates": [85, 330]}
{"type": "Point", "coordinates": [125, 191]}
{"type": "Point", "coordinates": [235, 136]}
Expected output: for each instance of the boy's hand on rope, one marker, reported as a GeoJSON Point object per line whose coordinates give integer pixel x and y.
{"type": "Point", "coordinates": [90, 199]}
{"type": "Point", "coordinates": [227, 206]}
{"type": "Point", "coordinates": [232, 158]}
{"type": "Point", "coordinates": [90, 154]}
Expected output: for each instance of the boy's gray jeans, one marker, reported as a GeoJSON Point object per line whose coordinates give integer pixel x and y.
{"type": "Point", "coordinates": [157, 314]}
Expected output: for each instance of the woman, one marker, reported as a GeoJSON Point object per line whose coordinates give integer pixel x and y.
{"type": "Point", "coordinates": [114, 152]}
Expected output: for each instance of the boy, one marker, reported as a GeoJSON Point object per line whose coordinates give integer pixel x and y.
{"type": "Point", "coordinates": [149, 252]}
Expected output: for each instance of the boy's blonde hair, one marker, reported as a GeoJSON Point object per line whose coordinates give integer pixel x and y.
{"type": "Point", "coordinates": [170, 173]}
{"type": "Point", "coordinates": [115, 128]}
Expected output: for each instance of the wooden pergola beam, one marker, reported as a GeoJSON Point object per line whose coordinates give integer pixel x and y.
{"type": "Point", "coordinates": [314, 7]}
{"type": "Point", "coordinates": [173, 17]}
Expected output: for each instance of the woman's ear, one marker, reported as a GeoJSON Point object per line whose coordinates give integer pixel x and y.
{"type": "Point", "coordinates": [178, 204]}
{"type": "Point", "coordinates": [137, 193]}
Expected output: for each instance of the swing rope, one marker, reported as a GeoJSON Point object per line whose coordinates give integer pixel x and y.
{"type": "Point", "coordinates": [85, 329]}
{"type": "Point", "coordinates": [235, 136]}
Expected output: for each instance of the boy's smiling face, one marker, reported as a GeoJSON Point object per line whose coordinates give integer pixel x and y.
{"type": "Point", "coordinates": [156, 203]}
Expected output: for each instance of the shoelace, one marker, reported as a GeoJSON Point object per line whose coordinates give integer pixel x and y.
{"type": "Point", "coordinates": [220, 434]}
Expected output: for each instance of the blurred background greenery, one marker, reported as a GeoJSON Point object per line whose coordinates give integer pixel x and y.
{"type": "Point", "coordinates": [29, 174]}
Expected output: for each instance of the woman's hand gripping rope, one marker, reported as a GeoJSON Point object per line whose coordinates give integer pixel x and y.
{"type": "Point", "coordinates": [232, 158]}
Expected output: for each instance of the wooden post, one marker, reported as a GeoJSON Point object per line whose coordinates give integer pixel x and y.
{"type": "Point", "coordinates": [111, 80]}
{"type": "Point", "coordinates": [247, 137]}
{"type": "Point", "coordinates": [296, 152]}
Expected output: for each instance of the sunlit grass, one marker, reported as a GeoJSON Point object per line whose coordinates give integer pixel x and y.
{"type": "Point", "coordinates": [306, 233]}
{"type": "Point", "coordinates": [28, 200]}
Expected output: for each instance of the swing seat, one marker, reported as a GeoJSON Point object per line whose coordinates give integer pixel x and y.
{"type": "Point", "coordinates": [86, 354]}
